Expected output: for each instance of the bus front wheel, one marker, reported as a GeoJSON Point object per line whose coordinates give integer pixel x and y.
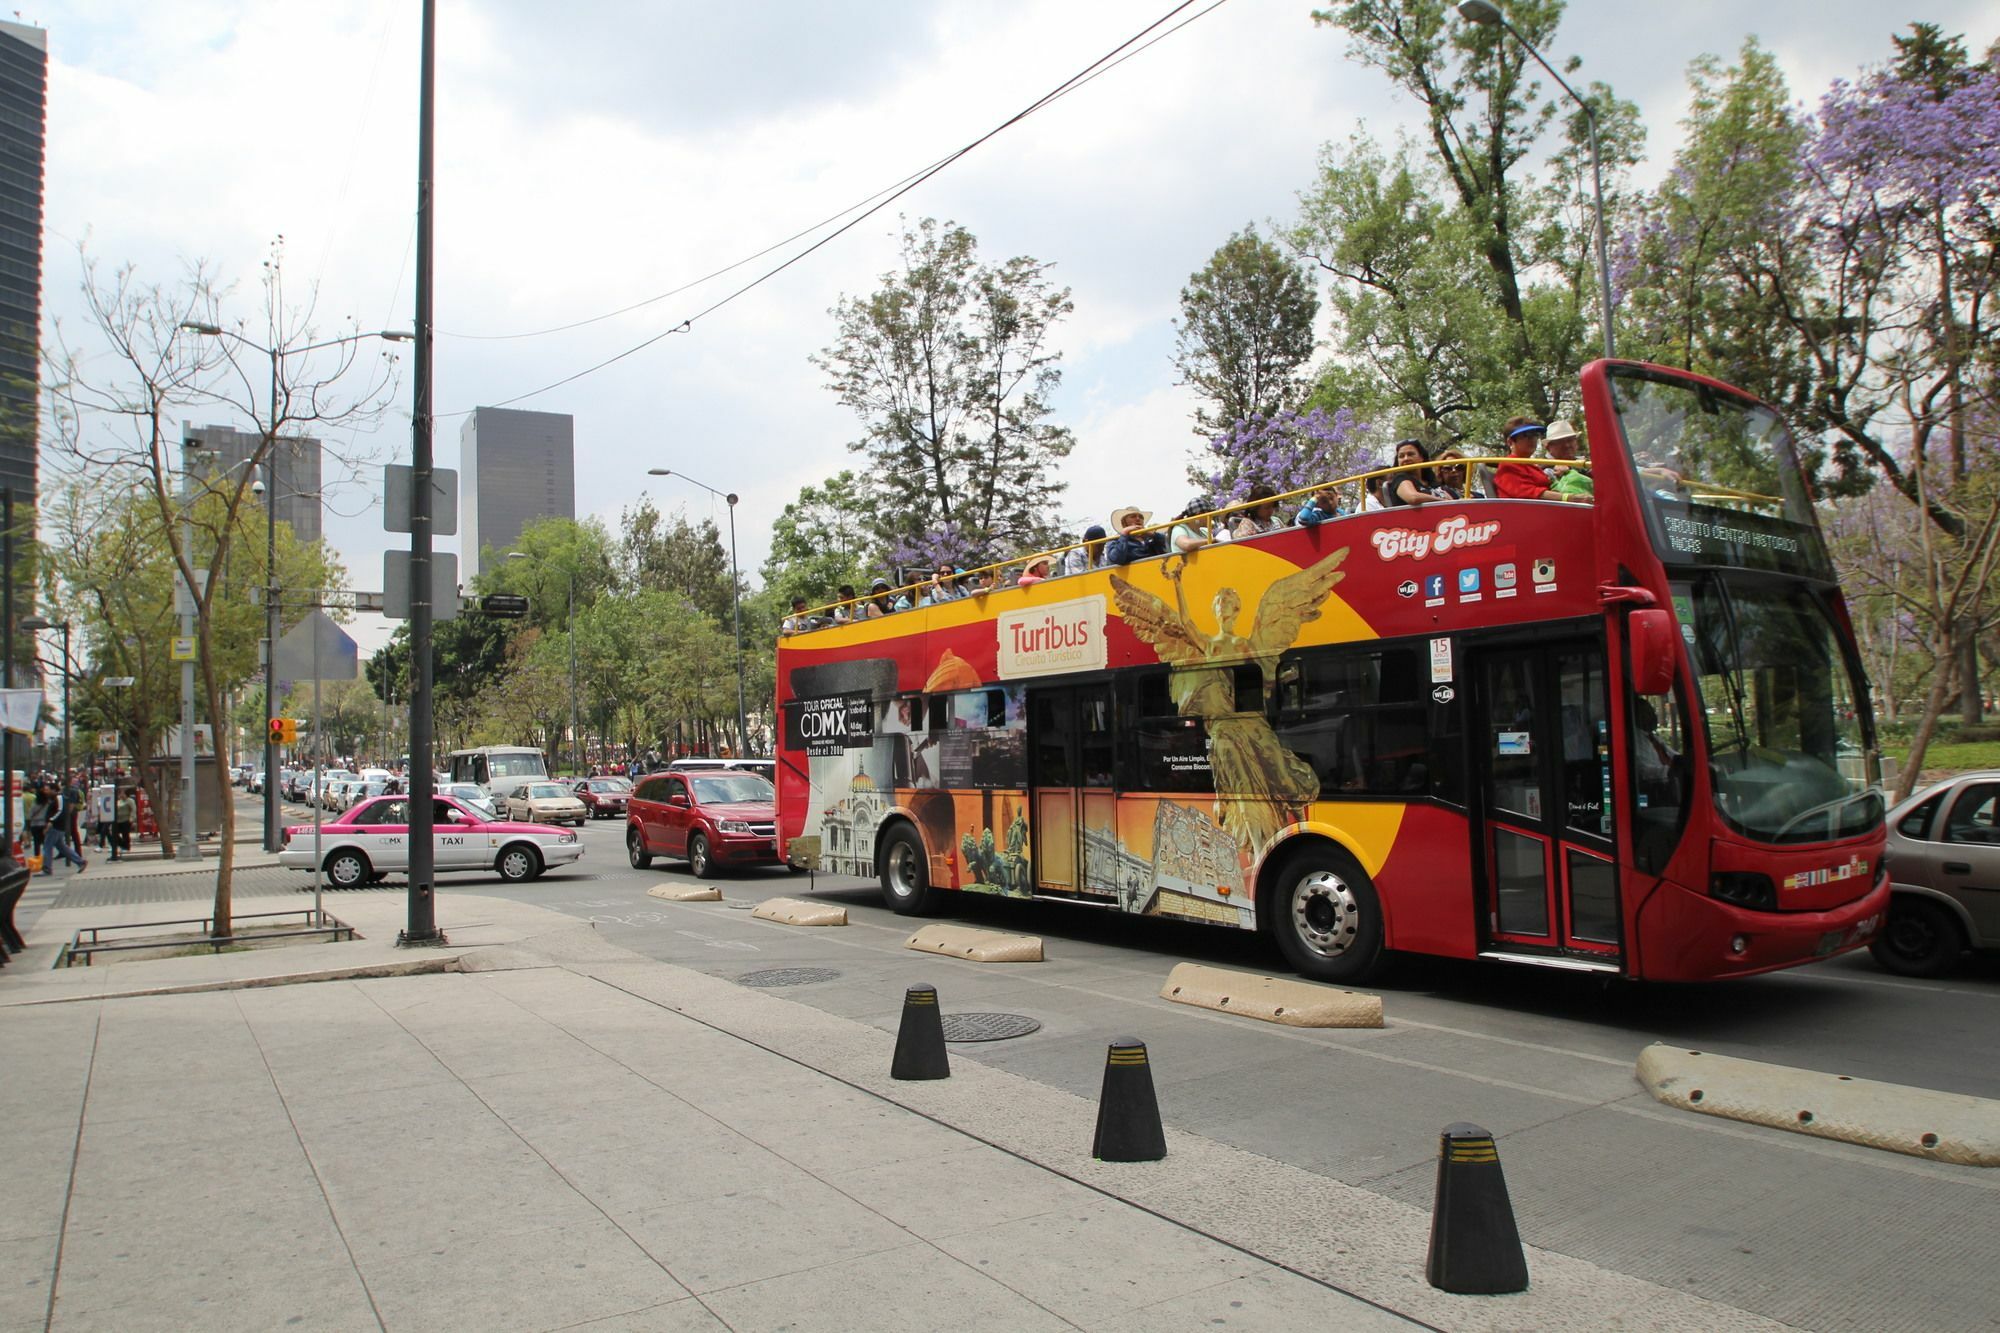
{"type": "Point", "coordinates": [905, 873]}
{"type": "Point", "coordinates": [1326, 917]}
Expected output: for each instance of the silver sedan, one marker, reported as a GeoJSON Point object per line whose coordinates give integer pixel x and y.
{"type": "Point", "coordinates": [1944, 873]}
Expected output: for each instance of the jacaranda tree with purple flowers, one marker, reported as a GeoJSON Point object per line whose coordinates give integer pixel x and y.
{"type": "Point", "coordinates": [1286, 451]}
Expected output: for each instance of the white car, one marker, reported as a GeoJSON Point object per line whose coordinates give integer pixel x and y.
{"type": "Point", "coordinates": [469, 793]}
{"type": "Point", "coordinates": [373, 839]}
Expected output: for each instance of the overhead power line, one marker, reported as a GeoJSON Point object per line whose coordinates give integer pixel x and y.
{"type": "Point", "coordinates": [1118, 55]}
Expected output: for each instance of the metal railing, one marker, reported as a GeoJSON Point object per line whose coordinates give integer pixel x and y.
{"type": "Point", "coordinates": [78, 947]}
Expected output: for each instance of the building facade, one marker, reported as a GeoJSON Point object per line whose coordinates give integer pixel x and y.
{"type": "Point", "coordinates": [294, 477]}
{"type": "Point", "coordinates": [24, 69]}
{"type": "Point", "coordinates": [514, 467]}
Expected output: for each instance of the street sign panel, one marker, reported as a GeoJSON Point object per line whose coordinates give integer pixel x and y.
{"type": "Point", "coordinates": [396, 585]}
{"type": "Point", "coordinates": [183, 649]}
{"type": "Point", "coordinates": [503, 605]}
{"type": "Point", "coordinates": [107, 740]}
{"type": "Point", "coordinates": [399, 488]}
{"type": "Point", "coordinates": [318, 639]}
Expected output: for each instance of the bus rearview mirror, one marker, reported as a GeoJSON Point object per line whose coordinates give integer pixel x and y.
{"type": "Point", "coordinates": [1650, 632]}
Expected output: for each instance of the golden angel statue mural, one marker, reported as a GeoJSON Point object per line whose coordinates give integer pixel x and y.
{"type": "Point", "coordinates": [1260, 786]}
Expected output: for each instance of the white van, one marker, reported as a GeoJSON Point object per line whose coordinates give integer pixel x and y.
{"type": "Point", "coordinates": [488, 765]}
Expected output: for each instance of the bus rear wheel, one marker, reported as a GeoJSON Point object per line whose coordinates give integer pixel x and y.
{"type": "Point", "coordinates": [905, 873]}
{"type": "Point", "coordinates": [1326, 917]}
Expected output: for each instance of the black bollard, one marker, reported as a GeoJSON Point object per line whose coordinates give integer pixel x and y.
{"type": "Point", "coordinates": [1128, 1114]}
{"type": "Point", "coordinates": [920, 1040]}
{"type": "Point", "coordinates": [1475, 1248]}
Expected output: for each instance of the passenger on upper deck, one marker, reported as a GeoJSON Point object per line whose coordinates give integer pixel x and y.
{"type": "Point", "coordinates": [879, 602]}
{"type": "Point", "coordinates": [1130, 544]}
{"type": "Point", "coordinates": [1562, 446]}
{"type": "Point", "coordinates": [1453, 478]}
{"type": "Point", "coordinates": [1037, 570]}
{"type": "Point", "coordinates": [1322, 505]}
{"type": "Point", "coordinates": [849, 609]}
{"type": "Point", "coordinates": [1187, 536]}
{"type": "Point", "coordinates": [1373, 500]}
{"type": "Point", "coordinates": [1412, 488]}
{"type": "Point", "coordinates": [940, 588]}
{"type": "Point", "coordinates": [1260, 518]}
{"type": "Point", "coordinates": [1517, 480]}
{"type": "Point", "coordinates": [798, 620]}
{"type": "Point", "coordinates": [1082, 559]}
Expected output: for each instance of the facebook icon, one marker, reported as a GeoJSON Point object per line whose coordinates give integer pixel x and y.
{"type": "Point", "coordinates": [1434, 585]}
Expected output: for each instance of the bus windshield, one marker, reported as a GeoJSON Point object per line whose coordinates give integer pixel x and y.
{"type": "Point", "coordinates": [515, 764]}
{"type": "Point", "coordinates": [1788, 738]}
{"type": "Point", "coordinates": [1718, 475]}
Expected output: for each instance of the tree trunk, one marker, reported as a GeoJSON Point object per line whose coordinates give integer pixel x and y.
{"type": "Point", "coordinates": [1966, 631]}
{"type": "Point", "coordinates": [1934, 706]}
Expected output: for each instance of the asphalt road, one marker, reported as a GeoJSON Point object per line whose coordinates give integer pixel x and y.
{"type": "Point", "coordinates": [1815, 1233]}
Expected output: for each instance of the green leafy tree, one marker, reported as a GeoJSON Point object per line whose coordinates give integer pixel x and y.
{"type": "Point", "coordinates": [1484, 115]}
{"type": "Point", "coordinates": [671, 554]}
{"type": "Point", "coordinates": [820, 541]}
{"type": "Point", "coordinates": [541, 565]}
{"type": "Point", "coordinates": [1245, 332]}
{"type": "Point", "coordinates": [949, 366]}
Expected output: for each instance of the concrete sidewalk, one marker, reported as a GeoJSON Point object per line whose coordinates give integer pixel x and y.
{"type": "Point", "coordinates": [562, 1133]}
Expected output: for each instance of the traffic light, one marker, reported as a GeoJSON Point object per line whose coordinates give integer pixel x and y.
{"type": "Point", "coordinates": [284, 730]}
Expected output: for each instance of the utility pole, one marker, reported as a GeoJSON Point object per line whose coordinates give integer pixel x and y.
{"type": "Point", "coordinates": [422, 928]}
{"type": "Point", "coordinates": [7, 651]}
{"type": "Point", "coordinates": [190, 845]}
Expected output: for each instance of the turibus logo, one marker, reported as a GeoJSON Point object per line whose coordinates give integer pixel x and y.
{"type": "Point", "coordinates": [1065, 636]}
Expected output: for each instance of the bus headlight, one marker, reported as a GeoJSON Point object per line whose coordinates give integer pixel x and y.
{"type": "Point", "coordinates": [1745, 888]}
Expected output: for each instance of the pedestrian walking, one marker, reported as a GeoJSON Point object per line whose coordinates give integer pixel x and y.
{"type": "Point", "coordinates": [126, 814]}
{"type": "Point", "coordinates": [60, 841]}
{"type": "Point", "coordinates": [38, 817]}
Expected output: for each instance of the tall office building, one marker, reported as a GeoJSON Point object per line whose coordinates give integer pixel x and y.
{"type": "Point", "coordinates": [296, 471]}
{"type": "Point", "coordinates": [513, 467]}
{"type": "Point", "coordinates": [24, 82]}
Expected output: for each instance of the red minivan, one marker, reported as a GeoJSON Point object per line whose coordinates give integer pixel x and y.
{"type": "Point", "coordinates": [713, 820]}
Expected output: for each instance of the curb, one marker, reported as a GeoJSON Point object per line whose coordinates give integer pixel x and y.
{"type": "Point", "coordinates": [1298, 1004]}
{"type": "Point", "coordinates": [365, 972]}
{"type": "Point", "coordinates": [1922, 1122]}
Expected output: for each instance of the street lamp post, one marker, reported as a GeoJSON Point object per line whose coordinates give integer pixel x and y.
{"type": "Point", "coordinates": [1488, 15]}
{"type": "Point", "coordinates": [575, 732]}
{"type": "Point", "coordinates": [735, 602]}
{"type": "Point", "coordinates": [273, 839]}
{"type": "Point", "coordinates": [36, 623]}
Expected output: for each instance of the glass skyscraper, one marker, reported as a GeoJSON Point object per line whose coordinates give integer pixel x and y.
{"type": "Point", "coordinates": [24, 82]}
{"type": "Point", "coordinates": [514, 467]}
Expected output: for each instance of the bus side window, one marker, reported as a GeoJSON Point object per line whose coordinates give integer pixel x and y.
{"type": "Point", "coordinates": [1359, 717]}
{"type": "Point", "coordinates": [1158, 749]}
{"type": "Point", "coordinates": [1659, 745]}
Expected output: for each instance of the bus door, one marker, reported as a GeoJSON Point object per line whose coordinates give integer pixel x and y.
{"type": "Point", "coordinates": [1074, 819]}
{"type": "Point", "coordinates": [1543, 748]}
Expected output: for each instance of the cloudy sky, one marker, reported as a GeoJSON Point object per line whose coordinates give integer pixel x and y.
{"type": "Point", "coordinates": [591, 156]}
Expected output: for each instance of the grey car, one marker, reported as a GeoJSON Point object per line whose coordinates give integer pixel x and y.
{"type": "Point", "coordinates": [1944, 873]}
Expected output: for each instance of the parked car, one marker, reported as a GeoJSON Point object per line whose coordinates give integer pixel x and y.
{"type": "Point", "coordinates": [1944, 876]}
{"type": "Point", "coordinates": [256, 782]}
{"type": "Point", "coordinates": [353, 793]}
{"type": "Point", "coordinates": [713, 819]}
{"type": "Point", "coordinates": [469, 794]}
{"type": "Point", "coordinates": [604, 797]}
{"type": "Point", "coordinates": [546, 802]}
{"type": "Point", "coordinates": [764, 768]}
{"type": "Point", "coordinates": [372, 839]}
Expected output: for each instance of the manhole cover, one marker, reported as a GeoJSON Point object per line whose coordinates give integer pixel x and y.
{"type": "Point", "coordinates": [787, 976]}
{"type": "Point", "coordinates": [988, 1027]}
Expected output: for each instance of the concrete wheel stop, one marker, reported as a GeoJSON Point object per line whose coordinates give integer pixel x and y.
{"type": "Point", "coordinates": [686, 893]}
{"type": "Point", "coordinates": [978, 946]}
{"type": "Point", "coordinates": [1922, 1122]}
{"type": "Point", "coordinates": [1299, 1004]}
{"type": "Point", "coordinates": [793, 912]}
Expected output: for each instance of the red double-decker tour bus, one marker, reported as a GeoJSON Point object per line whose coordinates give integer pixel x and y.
{"type": "Point", "coordinates": [1628, 737]}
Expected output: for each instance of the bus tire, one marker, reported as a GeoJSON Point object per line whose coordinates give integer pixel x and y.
{"type": "Point", "coordinates": [1326, 916]}
{"type": "Point", "coordinates": [905, 873]}
{"type": "Point", "coordinates": [1920, 939]}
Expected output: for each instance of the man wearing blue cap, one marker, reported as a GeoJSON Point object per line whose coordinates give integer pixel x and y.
{"type": "Point", "coordinates": [1521, 480]}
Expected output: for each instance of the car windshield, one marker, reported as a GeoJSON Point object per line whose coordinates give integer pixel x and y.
{"type": "Point", "coordinates": [733, 789]}
{"type": "Point", "coordinates": [546, 791]}
{"type": "Point", "coordinates": [526, 764]}
{"type": "Point", "coordinates": [610, 784]}
{"type": "Point", "coordinates": [1788, 739]}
